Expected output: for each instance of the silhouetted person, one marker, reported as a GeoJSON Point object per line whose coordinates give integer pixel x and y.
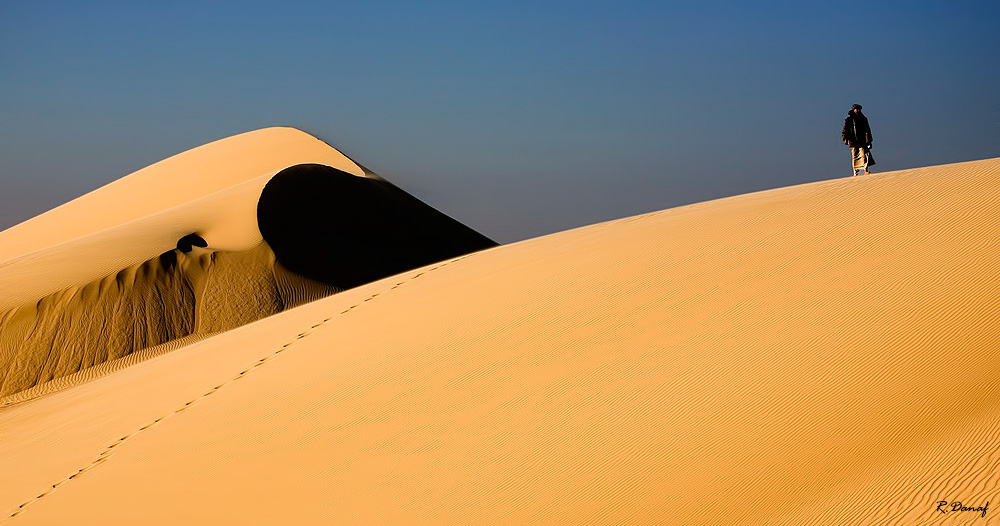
{"type": "Point", "coordinates": [858, 135]}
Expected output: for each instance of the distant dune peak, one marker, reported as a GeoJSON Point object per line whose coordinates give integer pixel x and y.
{"type": "Point", "coordinates": [205, 241]}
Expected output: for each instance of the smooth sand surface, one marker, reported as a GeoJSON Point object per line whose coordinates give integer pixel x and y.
{"type": "Point", "coordinates": [212, 190]}
{"type": "Point", "coordinates": [818, 354]}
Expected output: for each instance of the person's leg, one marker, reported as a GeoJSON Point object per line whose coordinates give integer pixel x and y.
{"type": "Point", "coordinates": [858, 160]}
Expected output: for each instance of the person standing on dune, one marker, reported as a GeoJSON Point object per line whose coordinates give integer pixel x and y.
{"type": "Point", "coordinates": [858, 135]}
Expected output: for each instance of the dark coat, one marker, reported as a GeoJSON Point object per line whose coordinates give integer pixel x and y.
{"type": "Point", "coordinates": [857, 133]}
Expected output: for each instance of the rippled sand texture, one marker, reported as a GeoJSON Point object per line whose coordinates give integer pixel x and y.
{"type": "Point", "coordinates": [819, 354]}
{"type": "Point", "coordinates": [142, 306]}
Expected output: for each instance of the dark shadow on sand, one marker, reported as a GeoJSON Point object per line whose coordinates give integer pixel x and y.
{"type": "Point", "coordinates": [345, 230]}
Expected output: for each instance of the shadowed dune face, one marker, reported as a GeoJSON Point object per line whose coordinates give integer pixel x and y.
{"type": "Point", "coordinates": [62, 333]}
{"type": "Point", "coordinates": [345, 230]}
{"type": "Point", "coordinates": [170, 296]}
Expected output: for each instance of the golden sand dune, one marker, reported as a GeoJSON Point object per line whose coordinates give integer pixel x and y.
{"type": "Point", "coordinates": [212, 189]}
{"type": "Point", "coordinates": [818, 354]}
{"type": "Point", "coordinates": [114, 272]}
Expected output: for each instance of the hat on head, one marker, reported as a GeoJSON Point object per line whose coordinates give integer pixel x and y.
{"type": "Point", "coordinates": [856, 107]}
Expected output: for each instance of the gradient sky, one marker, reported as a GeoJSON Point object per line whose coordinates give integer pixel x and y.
{"type": "Point", "coordinates": [516, 118]}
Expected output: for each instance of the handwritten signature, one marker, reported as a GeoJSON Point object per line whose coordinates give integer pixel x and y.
{"type": "Point", "coordinates": [943, 506]}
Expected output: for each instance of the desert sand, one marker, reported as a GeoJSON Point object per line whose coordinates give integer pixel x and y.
{"type": "Point", "coordinates": [178, 250]}
{"type": "Point", "coordinates": [817, 354]}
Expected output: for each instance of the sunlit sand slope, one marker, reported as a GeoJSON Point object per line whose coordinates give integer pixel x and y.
{"type": "Point", "coordinates": [819, 354]}
{"type": "Point", "coordinates": [114, 272]}
{"type": "Point", "coordinates": [212, 190]}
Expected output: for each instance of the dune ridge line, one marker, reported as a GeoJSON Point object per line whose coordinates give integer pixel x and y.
{"type": "Point", "coordinates": [206, 241]}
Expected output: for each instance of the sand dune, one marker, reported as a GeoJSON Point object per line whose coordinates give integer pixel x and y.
{"type": "Point", "coordinates": [114, 272]}
{"type": "Point", "coordinates": [212, 189]}
{"type": "Point", "coordinates": [818, 354]}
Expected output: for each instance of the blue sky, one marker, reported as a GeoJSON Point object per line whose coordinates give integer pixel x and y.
{"type": "Point", "coordinates": [516, 118]}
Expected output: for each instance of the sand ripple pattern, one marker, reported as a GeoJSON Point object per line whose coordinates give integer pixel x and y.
{"type": "Point", "coordinates": [170, 297]}
{"type": "Point", "coordinates": [814, 355]}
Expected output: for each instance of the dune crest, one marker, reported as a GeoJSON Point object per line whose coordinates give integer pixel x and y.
{"type": "Point", "coordinates": [175, 250]}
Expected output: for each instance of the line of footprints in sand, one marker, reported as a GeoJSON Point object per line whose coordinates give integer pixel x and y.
{"type": "Point", "coordinates": [106, 453]}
